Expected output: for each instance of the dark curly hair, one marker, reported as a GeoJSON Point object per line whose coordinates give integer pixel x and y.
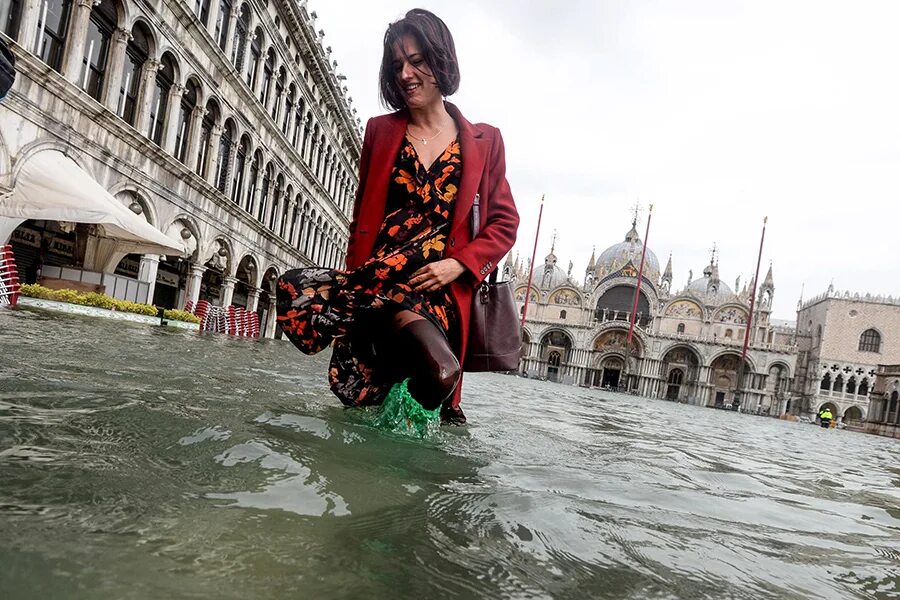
{"type": "Point", "coordinates": [438, 50]}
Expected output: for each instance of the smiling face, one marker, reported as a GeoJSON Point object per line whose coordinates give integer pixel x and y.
{"type": "Point", "coordinates": [414, 78]}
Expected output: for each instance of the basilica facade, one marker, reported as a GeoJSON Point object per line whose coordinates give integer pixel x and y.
{"type": "Point", "coordinates": [224, 123]}
{"type": "Point", "coordinates": [687, 342]}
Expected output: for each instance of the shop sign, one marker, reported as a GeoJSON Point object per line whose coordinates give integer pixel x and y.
{"type": "Point", "coordinates": [27, 237]}
{"type": "Point", "coordinates": [61, 246]}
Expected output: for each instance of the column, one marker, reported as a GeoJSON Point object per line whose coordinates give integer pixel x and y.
{"type": "Point", "coordinates": [111, 92]}
{"type": "Point", "coordinates": [245, 61]}
{"type": "Point", "coordinates": [229, 170]}
{"type": "Point", "coordinates": [259, 74]}
{"type": "Point", "coordinates": [148, 77]}
{"type": "Point", "coordinates": [28, 24]}
{"type": "Point", "coordinates": [252, 299]}
{"type": "Point", "coordinates": [227, 293]}
{"type": "Point", "coordinates": [173, 112]}
{"type": "Point", "coordinates": [229, 33]}
{"type": "Point", "coordinates": [193, 142]}
{"type": "Point", "coordinates": [212, 18]}
{"type": "Point", "coordinates": [73, 56]}
{"type": "Point", "coordinates": [275, 108]}
{"type": "Point", "coordinates": [257, 198]}
{"type": "Point", "coordinates": [270, 320]}
{"type": "Point", "coordinates": [278, 212]}
{"type": "Point", "coordinates": [194, 279]}
{"type": "Point", "coordinates": [147, 272]}
{"type": "Point", "coordinates": [212, 155]}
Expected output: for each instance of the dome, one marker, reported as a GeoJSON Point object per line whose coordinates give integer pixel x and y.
{"type": "Point", "coordinates": [701, 285]}
{"type": "Point", "coordinates": [615, 257]}
{"type": "Point", "coordinates": [556, 278]}
{"type": "Point", "coordinates": [710, 273]}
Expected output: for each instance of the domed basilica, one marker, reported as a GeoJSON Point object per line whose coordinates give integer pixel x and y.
{"type": "Point", "coordinates": [686, 344]}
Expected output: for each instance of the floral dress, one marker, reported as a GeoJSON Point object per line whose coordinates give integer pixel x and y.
{"type": "Point", "coordinates": [352, 309]}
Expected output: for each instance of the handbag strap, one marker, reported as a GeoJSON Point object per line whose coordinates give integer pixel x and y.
{"type": "Point", "coordinates": [476, 227]}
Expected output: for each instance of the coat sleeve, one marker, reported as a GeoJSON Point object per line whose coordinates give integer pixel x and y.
{"type": "Point", "coordinates": [364, 156]}
{"type": "Point", "coordinates": [498, 232]}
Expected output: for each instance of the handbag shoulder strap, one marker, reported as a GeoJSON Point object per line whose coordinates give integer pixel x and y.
{"type": "Point", "coordinates": [476, 227]}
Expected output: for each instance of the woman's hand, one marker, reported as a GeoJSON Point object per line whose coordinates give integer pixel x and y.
{"type": "Point", "coordinates": [436, 275]}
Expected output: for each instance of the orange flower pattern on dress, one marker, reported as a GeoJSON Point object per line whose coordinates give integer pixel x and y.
{"type": "Point", "coordinates": [318, 307]}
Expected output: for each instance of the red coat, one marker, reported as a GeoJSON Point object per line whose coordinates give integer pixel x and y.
{"type": "Point", "coordinates": [483, 172]}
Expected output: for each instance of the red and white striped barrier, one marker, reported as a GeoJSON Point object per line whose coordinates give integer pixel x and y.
{"type": "Point", "coordinates": [233, 320]}
{"type": "Point", "coordinates": [9, 277]}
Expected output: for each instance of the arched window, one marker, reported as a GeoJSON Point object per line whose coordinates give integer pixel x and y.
{"type": "Point", "coordinates": [826, 382]}
{"type": "Point", "coordinates": [870, 341]}
{"type": "Point", "coordinates": [838, 384]}
{"type": "Point", "coordinates": [201, 9]}
{"type": "Point", "coordinates": [136, 54]}
{"type": "Point", "coordinates": [186, 109]}
{"type": "Point", "coordinates": [165, 78]}
{"type": "Point", "coordinates": [10, 15]}
{"type": "Point", "coordinates": [239, 43]}
{"type": "Point", "coordinates": [222, 23]}
{"type": "Point", "coordinates": [240, 161]}
{"type": "Point", "coordinates": [562, 314]}
{"type": "Point", "coordinates": [255, 54]}
{"type": "Point", "coordinates": [268, 73]}
{"type": "Point", "coordinates": [863, 388]}
{"type": "Point", "coordinates": [102, 23]}
{"type": "Point", "coordinates": [681, 328]}
{"type": "Point", "coordinates": [851, 386]}
{"type": "Point", "coordinates": [53, 36]}
{"type": "Point", "coordinates": [225, 142]}
{"type": "Point", "coordinates": [554, 359]}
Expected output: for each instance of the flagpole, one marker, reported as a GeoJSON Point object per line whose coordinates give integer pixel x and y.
{"type": "Point", "coordinates": [637, 289]}
{"type": "Point", "coordinates": [750, 317]}
{"type": "Point", "coordinates": [533, 256]}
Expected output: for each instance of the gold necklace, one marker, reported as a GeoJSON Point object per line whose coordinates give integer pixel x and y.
{"type": "Point", "coordinates": [421, 139]}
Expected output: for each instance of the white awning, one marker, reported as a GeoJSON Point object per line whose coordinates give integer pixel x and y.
{"type": "Point", "coordinates": [51, 186]}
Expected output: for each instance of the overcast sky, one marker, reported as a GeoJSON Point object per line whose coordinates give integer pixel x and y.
{"type": "Point", "coordinates": [718, 112]}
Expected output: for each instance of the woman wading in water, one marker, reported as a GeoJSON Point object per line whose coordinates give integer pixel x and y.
{"type": "Point", "coordinates": [398, 316]}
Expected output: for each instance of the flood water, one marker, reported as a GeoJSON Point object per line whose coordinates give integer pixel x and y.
{"type": "Point", "coordinates": [141, 462]}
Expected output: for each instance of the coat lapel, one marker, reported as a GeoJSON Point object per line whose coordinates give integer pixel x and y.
{"type": "Point", "coordinates": [380, 167]}
{"type": "Point", "coordinates": [473, 147]}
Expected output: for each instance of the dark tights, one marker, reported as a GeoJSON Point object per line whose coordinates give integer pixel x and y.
{"type": "Point", "coordinates": [429, 362]}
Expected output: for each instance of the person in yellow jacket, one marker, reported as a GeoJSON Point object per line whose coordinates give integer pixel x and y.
{"type": "Point", "coordinates": [825, 417]}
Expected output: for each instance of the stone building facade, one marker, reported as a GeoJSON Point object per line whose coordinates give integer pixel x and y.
{"type": "Point", "coordinates": [687, 343]}
{"type": "Point", "coordinates": [884, 412]}
{"type": "Point", "coordinates": [842, 339]}
{"type": "Point", "coordinates": [223, 122]}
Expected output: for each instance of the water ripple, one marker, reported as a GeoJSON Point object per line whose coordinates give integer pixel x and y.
{"type": "Point", "coordinates": [143, 462]}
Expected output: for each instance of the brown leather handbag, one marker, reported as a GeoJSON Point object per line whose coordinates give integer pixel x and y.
{"type": "Point", "coordinates": [495, 338]}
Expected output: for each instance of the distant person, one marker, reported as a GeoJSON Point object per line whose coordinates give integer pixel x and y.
{"type": "Point", "coordinates": [400, 311]}
{"type": "Point", "coordinates": [825, 417]}
{"type": "Point", "coordinates": [7, 69]}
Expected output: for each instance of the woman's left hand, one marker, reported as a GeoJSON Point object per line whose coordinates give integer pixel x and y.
{"type": "Point", "coordinates": [436, 275]}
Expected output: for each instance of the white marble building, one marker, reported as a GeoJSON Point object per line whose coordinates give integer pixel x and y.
{"type": "Point", "coordinates": [687, 343]}
{"type": "Point", "coordinates": [224, 123]}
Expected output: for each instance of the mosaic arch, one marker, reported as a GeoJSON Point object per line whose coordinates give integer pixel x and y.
{"type": "Point", "coordinates": [565, 297]}
{"type": "Point", "coordinates": [533, 296]}
{"type": "Point", "coordinates": [731, 314]}
{"type": "Point", "coordinates": [613, 340]}
{"type": "Point", "coordinates": [687, 309]}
